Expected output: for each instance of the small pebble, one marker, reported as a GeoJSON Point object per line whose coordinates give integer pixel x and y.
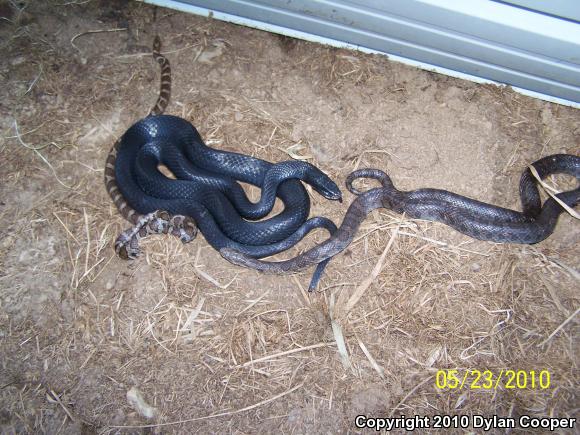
{"type": "Point", "coordinates": [136, 400]}
{"type": "Point", "coordinates": [18, 60]}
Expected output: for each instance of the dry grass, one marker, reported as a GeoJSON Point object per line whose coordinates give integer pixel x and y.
{"type": "Point", "coordinates": [212, 347]}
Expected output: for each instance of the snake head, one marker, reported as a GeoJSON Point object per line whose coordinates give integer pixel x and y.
{"type": "Point", "coordinates": [328, 188]}
{"type": "Point", "coordinates": [240, 259]}
{"type": "Point", "coordinates": [127, 250]}
{"type": "Point", "coordinates": [234, 257]}
{"type": "Point", "coordinates": [183, 227]}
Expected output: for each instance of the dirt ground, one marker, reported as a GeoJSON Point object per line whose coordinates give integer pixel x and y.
{"type": "Point", "coordinates": [217, 348]}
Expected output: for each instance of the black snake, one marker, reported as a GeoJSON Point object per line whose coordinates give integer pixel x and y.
{"type": "Point", "coordinates": [473, 218]}
{"type": "Point", "coordinates": [206, 193]}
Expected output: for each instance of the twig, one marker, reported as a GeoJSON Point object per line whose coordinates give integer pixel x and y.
{"type": "Point", "coordinates": [220, 414]}
{"type": "Point", "coordinates": [35, 149]}
{"type": "Point", "coordinates": [304, 294]}
{"type": "Point", "coordinates": [19, 135]}
{"type": "Point", "coordinates": [204, 275]}
{"type": "Point", "coordinates": [73, 3]}
{"type": "Point", "coordinates": [362, 288]}
{"type": "Point", "coordinates": [89, 32]}
{"type": "Point", "coordinates": [288, 352]}
{"type": "Point", "coordinates": [564, 323]}
{"type": "Point", "coordinates": [372, 361]}
{"type": "Point", "coordinates": [409, 394]}
{"type": "Point", "coordinates": [192, 316]}
{"type": "Point", "coordinates": [550, 191]}
{"type": "Point", "coordinates": [52, 396]}
{"type": "Point", "coordinates": [338, 336]}
{"type": "Point", "coordinates": [34, 81]}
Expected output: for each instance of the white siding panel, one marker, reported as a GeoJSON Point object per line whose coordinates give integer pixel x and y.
{"type": "Point", "coordinates": [569, 9]}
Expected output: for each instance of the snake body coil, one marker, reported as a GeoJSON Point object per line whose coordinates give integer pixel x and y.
{"type": "Point", "coordinates": [206, 188]}
{"type": "Point", "coordinates": [473, 218]}
{"type": "Point", "coordinates": [206, 193]}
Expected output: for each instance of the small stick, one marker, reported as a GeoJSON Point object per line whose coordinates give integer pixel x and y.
{"type": "Point", "coordinates": [564, 323]}
{"type": "Point", "coordinates": [362, 288]}
{"type": "Point", "coordinates": [72, 41]}
{"type": "Point", "coordinates": [220, 414]}
{"type": "Point", "coordinates": [549, 190]}
{"type": "Point", "coordinates": [419, 385]}
{"type": "Point", "coordinates": [288, 352]}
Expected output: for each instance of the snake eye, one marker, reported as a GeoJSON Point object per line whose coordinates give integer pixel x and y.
{"type": "Point", "coordinates": [387, 203]}
{"type": "Point", "coordinates": [333, 193]}
{"type": "Point", "coordinates": [123, 253]}
{"type": "Point", "coordinates": [163, 215]}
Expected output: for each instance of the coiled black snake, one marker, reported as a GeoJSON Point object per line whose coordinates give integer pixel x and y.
{"type": "Point", "coordinates": [473, 218]}
{"type": "Point", "coordinates": [205, 193]}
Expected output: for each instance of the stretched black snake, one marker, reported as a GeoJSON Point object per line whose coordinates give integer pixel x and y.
{"type": "Point", "coordinates": [473, 218]}
{"type": "Point", "coordinates": [206, 193]}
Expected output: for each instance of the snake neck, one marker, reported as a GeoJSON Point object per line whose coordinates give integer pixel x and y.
{"type": "Point", "coordinates": [355, 215]}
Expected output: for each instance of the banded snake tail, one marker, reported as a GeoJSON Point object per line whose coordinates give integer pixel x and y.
{"type": "Point", "coordinates": [165, 84]}
{"type": "Point", "coordinates": [473, 218]}
{"type": "Point", "coordinates": [159, 221]}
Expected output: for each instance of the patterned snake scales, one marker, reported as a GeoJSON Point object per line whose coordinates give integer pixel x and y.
{"type": "Point", "coordinates": [158, 221]}
{"type": "Point", "coordinates": [473, 218]}
{"type": "Point", "coordinates": [205, 193]}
